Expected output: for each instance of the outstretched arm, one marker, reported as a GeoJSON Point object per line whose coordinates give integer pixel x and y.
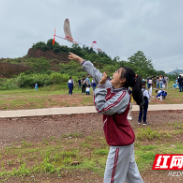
{"type": "Point", "coordinates": [89, 68]}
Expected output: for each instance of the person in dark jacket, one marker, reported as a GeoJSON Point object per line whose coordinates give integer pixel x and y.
{"type": "Point", "coordinates": [144, 106]}
{"type": "Point", "coordinates": [180, 81]}
{"type": "Point", "coordinates": [83, 84]}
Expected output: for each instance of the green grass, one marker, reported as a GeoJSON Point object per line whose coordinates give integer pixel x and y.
{"type": "Point", "coordinates": [44, 97]}
{"type": "Point", "coordinates": [56, 155]}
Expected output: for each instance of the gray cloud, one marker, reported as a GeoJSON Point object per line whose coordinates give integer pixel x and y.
{"type": "Point", "coordinates": [120, 27]}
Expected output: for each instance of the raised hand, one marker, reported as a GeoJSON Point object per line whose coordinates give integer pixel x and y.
{"type": "Point", "coordinates": [75, 57]}
{"type": "Point", "coordinates": [103, 78]}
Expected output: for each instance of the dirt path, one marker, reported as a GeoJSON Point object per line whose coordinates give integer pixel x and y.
{"type": "Point", "coordinates": [34, 130]}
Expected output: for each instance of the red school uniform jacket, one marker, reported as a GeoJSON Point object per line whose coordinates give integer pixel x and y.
{"type": "Point", "coordinates": [114, 105]}
{"type": "Point", "coordinates": [117, 130]}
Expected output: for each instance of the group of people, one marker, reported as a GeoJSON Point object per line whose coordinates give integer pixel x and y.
{"type": "Point", "coordinates": [159, 82]}
{"type": "Point", "coordinates": [179, 83]}
{"type": "Point", "coordinates": [83, 84]}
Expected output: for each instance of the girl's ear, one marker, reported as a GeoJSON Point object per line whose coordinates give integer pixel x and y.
{"type": "Point", "coordinates": [123, 80]}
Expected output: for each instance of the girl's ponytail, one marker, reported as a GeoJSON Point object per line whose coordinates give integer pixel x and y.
{"type": "Point", "coordinates": [136, 91]}
{"type": "Point", "coordinates": [134, 81]}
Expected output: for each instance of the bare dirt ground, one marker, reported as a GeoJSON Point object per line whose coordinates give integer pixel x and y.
{"type": "Point", "coordinates": [34, 130]}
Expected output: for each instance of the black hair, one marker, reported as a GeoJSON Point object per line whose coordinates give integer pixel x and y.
{"type": "Point", "coordinates": [134, 81]}
{"type": "Point", "coordinates": [143, 83]}
{"type": "Point", "coordinates": [156, 91]}
{"type": "Point", "coordinates": [70, 78]}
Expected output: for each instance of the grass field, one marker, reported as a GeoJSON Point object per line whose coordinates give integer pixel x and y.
{"type": "Point", "coordinates": [54, 95]}
{"type": "Point", "coordinates": [78, 152]}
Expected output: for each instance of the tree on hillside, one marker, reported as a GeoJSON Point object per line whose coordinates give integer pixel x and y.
{"type": "Point", "coordinates": [40, 45]}
{"type": "Point", "coordinates": [160, 72]}
{"type": "Point", "coordinates": [140, 63]}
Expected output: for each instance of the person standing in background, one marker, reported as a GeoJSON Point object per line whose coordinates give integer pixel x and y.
{"type": "Point", "coordinates": [180, 81]}
{"type": "Point", "coordinates": [70, 85]}
{"type": "Point", "coordinates": [157, 82]}
{"type": "Point", "coordinates": [36, 86]}
{"type": "Point", "coordinates": [148, 81]}
{"type": "Point", "coordinates": [83, 84]}
{"type": "Point", "coordinates": [79, 83]}
{"type": "Point", "coordinates": [160, 82]}
{"type": "Point", "coordinates": [154, 82]}
{"type": "Point", "coordinates": [87, 79]}
{"type": "Point", "coordinates": [93, 84]}
{"type": "Point", "coordinates": [166, 82]}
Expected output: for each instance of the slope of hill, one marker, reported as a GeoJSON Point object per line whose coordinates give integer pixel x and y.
{"type": "Point", "coordinates": [180, 71]}
{"type": "Point", "coordinates": [10, 67]}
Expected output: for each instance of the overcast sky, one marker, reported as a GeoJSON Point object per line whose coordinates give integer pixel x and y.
{"type": "Point", "coordinates": [120, 27]}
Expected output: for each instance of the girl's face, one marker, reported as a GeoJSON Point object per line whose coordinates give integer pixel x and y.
{"type": "Point", "coordinates": [117, 81]}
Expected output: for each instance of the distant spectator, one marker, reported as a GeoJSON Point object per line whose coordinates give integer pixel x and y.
{"type": "Point", "coordinates": [70, 85]}
{"type": "Point", "coordinates": [160, 82]}
{"type": "Point", "coordinates": [180, 81]}
{"type": "Point", "coordinates": [161, 94]}
{"type": "Point", "coordinates": [79, 83]}
{"type": "Point", "coordinates": [154, 82]}
{"type": "Point", "coordinates": [166, 83]}
{"type": "Point", "coordinates": [83, 84]}
{"type": "Point", "coordinates": [176, 81]}
{"type": "Point", "coordinates": [36, 86]}
{"type": "Point", "coordinates": [148, 81]}
{"type": "Point", "coordinates": [93, 84]}
{"type": "Point", "coordinates": [157, 82]}
{"type": "Point", "coordinates": [144, 106]}
{"type": "Point", "coordinates": [87, 88]}
{"type": "Point", "coordinates": [87, 79]}
{"type": "Point", "coordinates": [163, 82]}
{"type": "Point", "coordinates": [174, 85]}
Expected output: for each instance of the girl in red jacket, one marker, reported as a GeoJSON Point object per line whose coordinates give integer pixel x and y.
{"type": "Point", "coordinates": [112, 99]}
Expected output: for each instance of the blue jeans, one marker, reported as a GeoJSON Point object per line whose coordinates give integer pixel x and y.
{"type": "Point", "coordinates": [70, 90]}
{"type": "Point", "coordinates": [157, 85]}
{"type": "Point", "coordinates": [180, 88]}
{"type": "Point", "coordinates": [143, 109]}
{"type": "Point", "coordinates": [160, 85]}
{"type": "Point", "coordinates": [94, 88]}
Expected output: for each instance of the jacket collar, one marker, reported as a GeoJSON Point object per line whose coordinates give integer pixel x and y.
{"type": "Point", "coordinates": [118, 89]}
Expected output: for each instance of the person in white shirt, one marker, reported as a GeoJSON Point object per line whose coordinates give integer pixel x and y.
{"type": "Point", "coordinates": [166, 82]}
{"type": "Point", "coordinates": [70, 85]}
{"type": "Point", "coordinates": [150, 83]}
